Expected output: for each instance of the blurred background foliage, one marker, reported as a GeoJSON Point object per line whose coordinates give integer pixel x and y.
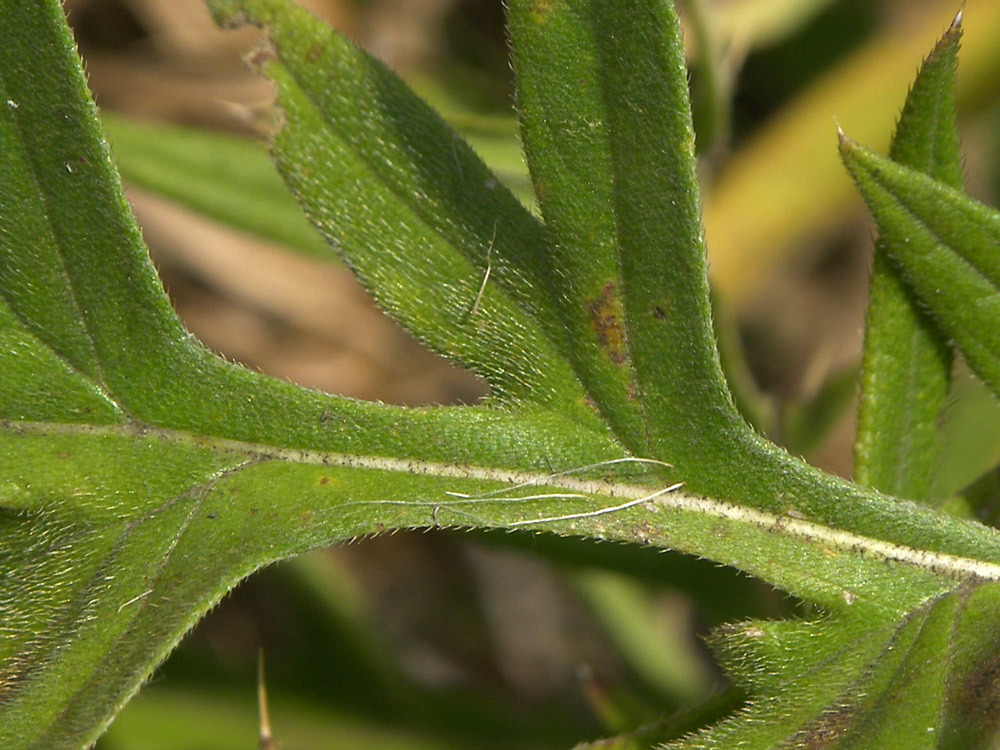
{"type": "Point", "coordinates": [455, 640]}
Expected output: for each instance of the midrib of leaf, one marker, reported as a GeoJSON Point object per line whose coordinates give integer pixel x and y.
{"type": "Point", "coordinates": [507, 488]}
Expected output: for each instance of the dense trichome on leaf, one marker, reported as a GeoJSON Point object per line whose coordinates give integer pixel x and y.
{"type": "Point", "coordinates": [145, 476]}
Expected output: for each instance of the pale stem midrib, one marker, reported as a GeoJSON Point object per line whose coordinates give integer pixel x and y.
{"type": "Point", "coordinates": [946, 565]}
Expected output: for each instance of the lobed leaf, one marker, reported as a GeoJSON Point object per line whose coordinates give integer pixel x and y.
{"type": "Point", "coordinates": [713, 449]}
{"type": "Point", "coordinates": [158, 475]}
{"type": "Point", "coordinates": [117, 535]}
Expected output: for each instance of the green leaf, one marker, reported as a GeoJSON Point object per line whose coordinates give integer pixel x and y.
{"type": "Point", "coordinates": [948, 248]}
{"type": "Point", "coordinates": [907, 363]}
{"type": "Point", "coordinates": [606, 123]}
{"type": "Point", "coordinates": [608, 138]}
{"type": "Point", "coordinates": [481, 295]}
{"type": "Point", "coordinates": [334, 96]}
{"type": "Point", "coordinates": [127, 504]}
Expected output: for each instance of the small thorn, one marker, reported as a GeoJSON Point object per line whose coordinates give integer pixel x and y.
{"type": "Point", "coordinates": [266, 742]}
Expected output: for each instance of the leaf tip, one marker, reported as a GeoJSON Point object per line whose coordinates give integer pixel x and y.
{"type": "Point", "coordinates": [850, 151]}
{"type": "Point", "coordinates": [843, 142]}
{"type": "Point", "coordinates": [956, 23]}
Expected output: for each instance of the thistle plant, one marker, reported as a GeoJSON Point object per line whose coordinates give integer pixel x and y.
{"type": "Point", "coordinates": [142, 476]}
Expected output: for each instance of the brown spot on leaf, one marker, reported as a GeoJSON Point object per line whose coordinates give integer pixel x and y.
{"type": "Point", "coordinates": [642, 532]}
{"type": "Point", "coordinates": [659, 312]}
{"type": "Point", "coordinates": [603, 313]}
{"type": "Point", "coordinates": [826, 730]}
{"type": "Point", "coordinates": [313, 54]}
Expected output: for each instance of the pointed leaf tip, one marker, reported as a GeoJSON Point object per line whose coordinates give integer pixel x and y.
{"type": "Point", "coordinates": [845, 145]}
